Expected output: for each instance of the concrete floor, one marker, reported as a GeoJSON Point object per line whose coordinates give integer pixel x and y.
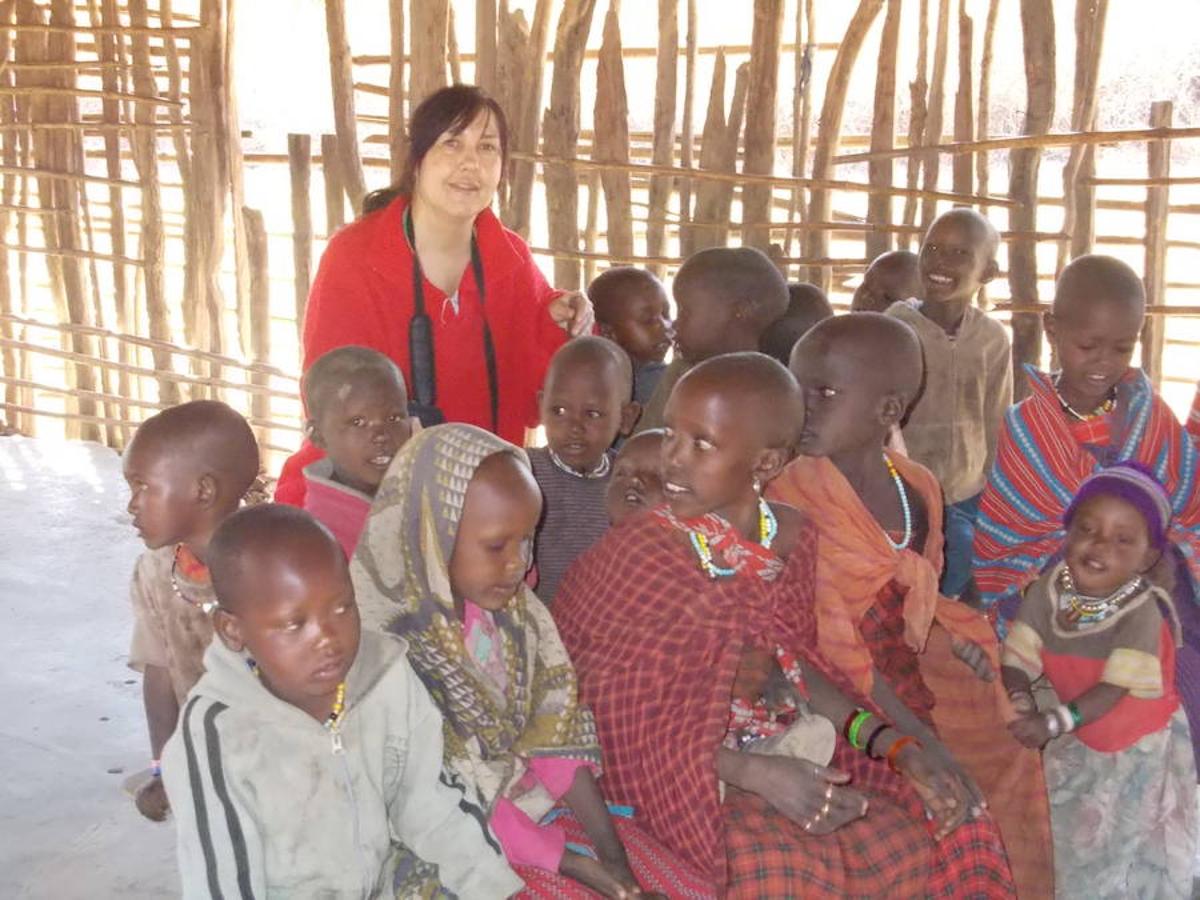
{"type": "Point", "coordinates": [72, 727]}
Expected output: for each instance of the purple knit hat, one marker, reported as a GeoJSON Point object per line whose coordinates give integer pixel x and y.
{"type": "Point", "coordinates": [1137, 486]}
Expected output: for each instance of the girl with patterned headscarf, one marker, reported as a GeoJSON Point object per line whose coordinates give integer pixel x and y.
{"type": "Point", "coordinates": [442, 562]}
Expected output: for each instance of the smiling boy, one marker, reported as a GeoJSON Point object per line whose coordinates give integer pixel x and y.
{"type": "Point", "coordinates": [953, 427]}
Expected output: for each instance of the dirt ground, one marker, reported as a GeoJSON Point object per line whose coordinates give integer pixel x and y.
{"type": "Point", "coordinates": [72, 727]}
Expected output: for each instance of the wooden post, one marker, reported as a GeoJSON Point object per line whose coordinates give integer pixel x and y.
{"type": "Point", "coordinates": [883, 130]}
{"type": "Point", "coordinates": [396, 135]}
{"type": "Point", "coordinates": [688, 134]}
{"type": "Point", "coordinates": [931, 163]}
{"type": "Point", "coordinates": [237, 191]}
{"type": "Point", "coordinates": [430, 25]}
{"type": "Point", "coordinates": [300, 169]}
{"type": "Point", "coordinates": [802, 60]}
{"type": "Point", "coordinates": [964, 114]}
{"type": "Point", "coordinates": [560, 130]}
{"type": "Point", "coordinates": [1158, 158]}
{"type": "Point", "coordinates": [917, 90]}
{"type": "Point", "coordinates": [816, 243]}
{"type": "Point", "coordinates": [663, 153]}
{"type": "Point", "coordinates": [1037, 27]}
{"type": "Point", "coordinates": [10, 362]}
{"type": "Point", "coordinates": [759, 156]}
{"type": "Point", "coordinates": [452, 55]}
{"type": "Point", "coordinates": [611, 118]}
{"type": "Point", "coordinates": [529, 115]}
{"type": "Point", "coordinates": [260, 319]}
{"type": "Point", "coordinates": [591, 228]}
{"type": "Point", "coordinates": [485, 45]}
{"type": "Point", "coordinates": [335, 202]}
{"type": "Point", "coordinates": [1078, 192]}
{"type": "Point", "coordinates": [982, 125]}
{"type": "Point", "coordinates": [342, 76]}
{"type": "Point", "coordinates": [718, 153]}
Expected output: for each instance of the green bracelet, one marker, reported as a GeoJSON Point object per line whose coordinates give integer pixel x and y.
{"type": "Point", "coordinates": [856, 727]}
{"type": "Point", "coordinates": [1076, 715]}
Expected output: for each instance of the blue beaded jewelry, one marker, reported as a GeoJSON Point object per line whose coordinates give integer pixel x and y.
{"type": "Point", "coordinates": [904, 504]}
{"type": "Point", "coordinates": [768, 528]}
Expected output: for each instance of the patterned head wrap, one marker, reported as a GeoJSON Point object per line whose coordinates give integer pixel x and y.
{"type": "Point", "coordinates": [1134, 484]}
{"type": "Point", "coordinates": [401, 573]}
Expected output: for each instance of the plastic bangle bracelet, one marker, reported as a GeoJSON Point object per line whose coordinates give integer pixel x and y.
{"type": "Point", "coordinates": [856, 727]}
{"type": "Point", "coordinates": [1065, 720]}
{"type": "Point", "coordinates": [1053, 723]}
{"type": "Point", "coordinates": [850, 721]}
{"type": "Point", "coordinates": [879, 729]}
{"type": "Point", "coordinates": [1076, 715]}
{"type": "Point", "coordinates": [899, 745]}
{"type": "Point", "coordinates": [156, 768]}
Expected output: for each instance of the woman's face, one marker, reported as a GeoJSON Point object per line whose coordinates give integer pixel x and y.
{"type": "Point", "coordinates": [459, 175]}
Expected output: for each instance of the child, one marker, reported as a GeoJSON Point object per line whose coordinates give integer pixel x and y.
{"type": "Point", "coordinates": [879, 617]}
{"type": "Point", "coordinates": [358, 414]}
{"type": "Point", "coordinates": [891, 277]}
{"type": "Point", "coordinates": [632, 309]}
{"type": "Point", "coordinates": [725, 298]}
{"type": "Point", "coordinates": [187, 468]}
{"type": "Point", "coordinates": [585, 403]}
{"type": "Point", "coordinates": [309, 750]}
{"type": "Point", "coordinates": [1118, 754]}
{"type": "Point", "coordinates": [442, 563]}
{"type": "Point", "coordinates": [1095, 412]}
{"type": "Point", "coordinates": [807, 306]}
{"type": "Point", "coordinates": [636, 482]}
{"type": "Point", "coordinates": [666, 612]}
{"type": "Point", "coordinates": [953, 427]}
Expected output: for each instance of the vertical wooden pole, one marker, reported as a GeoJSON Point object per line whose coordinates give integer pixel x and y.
{"type": "Point", "coordinates": [560, 130]}
{"type": "Point", "coordinates": [688, 135]}
{"type": "Point", "coordinates": [260, 304]}
{"type": "Point", "coordinates": [883, 131]}
{"type": "Point", "coordinates": [452, 55]}
{"type": "Point", "coordinates": [816, 243]}
{"type": "Point", "coordinates": [1078, 192]}
{"type": "Point", "coordinates": [591, 228]}
{"type": "Point", "coordinates": [342, 73]}
{"type": "Point", "coordinates": [611, 126]}
{"type": "Point", "coordinates": [917, 90]}
{"type": "Point", "coordinates": [10, 362]}
{"type": "Point", "coordinates": [300, 170]}
{"type": "Point", "coordinates": [485, 45]}
{"type": "Point", "coordinates": [931, 163]}
{"type": "Point", "coordinates": [529, 119]}
{"type": "Point", "coordinates": [802, 76]}
{"type": "Point", "coordinates": [964, 113]}
{"type": "Point", "coordinates": [664, 129]}
{"type": "Point", "coordinates": [718, 153]}
{"type": "Point", "coordinates": [1037, 28]}
{"type": "Point", "coordinates": [1158, 158]}
{"type": "Point", "coordinates": [982, 124]}
{"type": "Point", "coordinates": [335, 203]}
{"type": "Point", "coordinates": [759, 158]}
{"type": "Point", "coordinates": [396, 135]}
{"type": "Point", "coordinates": [429, 26]}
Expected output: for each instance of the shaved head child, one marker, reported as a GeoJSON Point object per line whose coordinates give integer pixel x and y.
{"type": "Point", "coordinates": [891, 277]}
{"type": "Point", "coordinates": [585, 403]}
{"type": "Point", "coordinates": [310, 751]}
{"type": "Point", "coordinates": [953, 427]}
{"type": "Point", "coordinates": [187, 468]}
{"type": "Point", "coordinates": [1095, 411]}
{"type": "Point", "coordinates": [807, 305]}
{"type": "Point", "coordinates": [632, 309]}
{"type": "Point", "coordinates": [725, 297]}
{"type": "Point", "coordinates": [636, 483]}
{"type": "Point", "coordinates": [358, 414]}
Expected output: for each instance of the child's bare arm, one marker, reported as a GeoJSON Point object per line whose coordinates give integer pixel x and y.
{"type": "Point", "coordinates": [1096, 703]}
{"type": "Point", "coordinates": [585, 800]}
{"type": "Point", "coordinates": [162, 712]}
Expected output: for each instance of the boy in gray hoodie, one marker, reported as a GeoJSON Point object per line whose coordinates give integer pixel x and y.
{"type": "Point", "coordinates": [309, 748]}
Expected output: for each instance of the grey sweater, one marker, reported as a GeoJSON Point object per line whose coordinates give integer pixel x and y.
{"type": "Point", "coordinates": [265, 807]}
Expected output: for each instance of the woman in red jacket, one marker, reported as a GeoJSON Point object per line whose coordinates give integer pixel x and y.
{"type": "Point", "coordinates": [430, 251]}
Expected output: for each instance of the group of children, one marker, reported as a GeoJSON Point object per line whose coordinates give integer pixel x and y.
{"type": "Point", "coordinates": [1020, 579]}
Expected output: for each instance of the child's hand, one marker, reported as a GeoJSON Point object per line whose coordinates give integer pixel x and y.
{"type": "Point", "coordinates": [949, 796]}
{"type": "Point", "coordinates": [1031, 730]}
{"type": "Point", "coordinates": [151, 800]}
{"type": "Point", "coordinates": [814, 797]}
{"type": "Point", "coordinates": [975, 657]}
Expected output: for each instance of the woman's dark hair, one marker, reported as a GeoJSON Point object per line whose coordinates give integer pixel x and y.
{"type": "Point", "coordinates": [449, 109]}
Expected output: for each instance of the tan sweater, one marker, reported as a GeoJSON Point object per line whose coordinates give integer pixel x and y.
{"type": "Point", "coordinates": [953, 428]}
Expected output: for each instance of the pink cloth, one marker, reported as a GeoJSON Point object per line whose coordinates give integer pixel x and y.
{"type": "Point", "coordinates": [341, 509]}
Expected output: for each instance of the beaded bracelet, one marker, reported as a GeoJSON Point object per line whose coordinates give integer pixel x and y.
{"type": "Point", "coordinates": [156, 768]}
{"type": "Point", "coordinates": [895, 749]}
{"type": "Point", "coordinates": [854, 726]}
{"type": "Point", "coordinates": [879, 729]}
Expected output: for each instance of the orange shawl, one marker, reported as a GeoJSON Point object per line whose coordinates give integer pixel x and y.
{"type": "Point", "coordinates": [855, 561]}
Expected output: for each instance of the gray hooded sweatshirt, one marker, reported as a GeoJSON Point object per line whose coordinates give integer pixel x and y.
{"type": "Point", "coordinates": [269, 803]}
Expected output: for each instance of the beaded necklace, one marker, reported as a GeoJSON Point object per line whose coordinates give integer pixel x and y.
{"type": "Point", "coordinates": [1082, 610]}
{"type": "Point", "coordinates": [1107, 406]}
{"type": "Point", "coordinates": [768, 527]}
{"type": "Point", "coordinates": [600, 471]}
{"type": "Point", "coordinates": [904, 505]}
{"type": "Point", "coordinates": [335, 714]}
{"type": "Point", "coordinates": [205, 607]}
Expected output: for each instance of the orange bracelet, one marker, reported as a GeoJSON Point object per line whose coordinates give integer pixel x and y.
{"type": "Point", "coordinates": [894, 750]}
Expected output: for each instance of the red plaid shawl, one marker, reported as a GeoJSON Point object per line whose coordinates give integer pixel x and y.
{"type": "Point", "coordinates": [656, 645]}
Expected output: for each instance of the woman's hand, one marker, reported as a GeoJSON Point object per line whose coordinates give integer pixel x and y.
{"type": "Point", "coordinates": [948, 794]}
{"type": "Point", "coordinates": [573, 313]}
{"type": "Point", "coordinates": [812, 796]}
{"type": "Point", "coordinates": [1031, 730]}
{"type": "Point", "coordinates": [974, 656]}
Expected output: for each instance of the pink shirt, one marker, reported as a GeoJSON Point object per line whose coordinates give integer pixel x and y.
{"type": "Point", "coordinates": [341, 509]}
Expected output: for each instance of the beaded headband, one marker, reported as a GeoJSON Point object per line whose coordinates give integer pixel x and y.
{"type": "Point", "coordinates": [1133, 483]}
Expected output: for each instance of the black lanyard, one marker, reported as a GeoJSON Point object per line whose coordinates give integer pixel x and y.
{"type": "Point", "coordinates": [420, 332]}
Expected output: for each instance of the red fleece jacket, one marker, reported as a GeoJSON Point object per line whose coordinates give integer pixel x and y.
{"type": "Point", "coordinates": [363, 295]}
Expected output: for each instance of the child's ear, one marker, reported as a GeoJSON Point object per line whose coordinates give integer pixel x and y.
{"type": "Point", "coordinates": [314, 433]}
{"type": "Point", "coordinates": [605, 331]}
{"type": "Point", "coordinates": [206, 489]}
{"type": "Point", "coordinates": [990, 271]}
{"type": "Point", "coordinates": [630, 413]}
{"type": "Point", "coordinates": [891, 409]}
{"type": "Point", "coordinates": [229, 629]}
{"type": "Point", "coordinates": [1049, 325]}
{"type": "Point", "coordinates": [771, 462]}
